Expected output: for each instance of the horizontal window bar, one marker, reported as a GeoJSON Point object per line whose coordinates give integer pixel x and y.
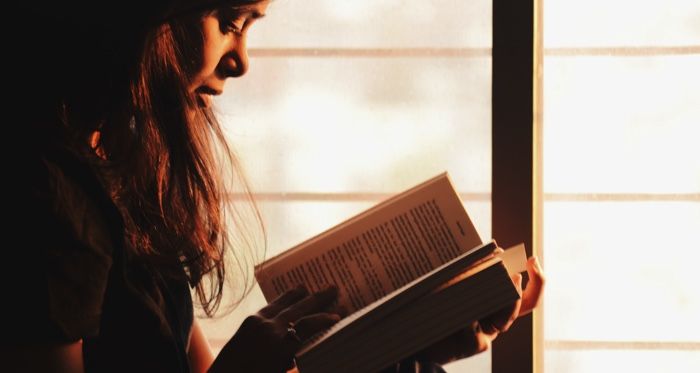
{"type": "Point", "coordinates": [622, 197]}
{"type": "Point", "coordinates": [623, 51]}
{"type": "Point", "coordinates": [621, 345]}
{"type": "Point", "coordinates": [343, 197]}
{"type": "Point", "coordinates": [369, 52]}
{"type": "Point", "coordinates": [620, 51]}
{"type": "Point", "coordinates": [548, 197]}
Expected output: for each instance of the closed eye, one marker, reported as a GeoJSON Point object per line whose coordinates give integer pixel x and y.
{"type": "Point", "coordinates": [237, 19]}
{"type": "Point", "coordinates": [236, 24]}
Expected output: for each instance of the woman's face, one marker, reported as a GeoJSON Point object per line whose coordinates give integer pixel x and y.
{"type": "Point", "coordinates": [224, 51]}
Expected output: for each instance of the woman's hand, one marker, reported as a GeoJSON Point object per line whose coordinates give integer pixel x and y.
{"type": "Point", "coordinates": [267, 341]}
{"type": "Point", "coordinates": [478, 337]}
{"type": "Point", "coordinates": [532, 295]}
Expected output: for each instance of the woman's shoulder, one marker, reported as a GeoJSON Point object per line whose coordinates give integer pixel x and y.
{"type": "Point", "coordinates": [65, 230]}
{"type": "Point", "coordinates": [60, 202]}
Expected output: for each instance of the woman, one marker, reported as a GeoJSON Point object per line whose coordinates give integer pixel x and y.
{"type": "Point", "coordinates": [121, 207]}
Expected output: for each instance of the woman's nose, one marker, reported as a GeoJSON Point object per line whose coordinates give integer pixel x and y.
{"type": "Point", "coordinates": [235, 62]}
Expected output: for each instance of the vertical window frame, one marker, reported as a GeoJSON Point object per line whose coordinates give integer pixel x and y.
{"type": "Point", "coordinates": [516, 155]}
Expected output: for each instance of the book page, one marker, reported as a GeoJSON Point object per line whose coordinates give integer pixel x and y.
{"type": "Point", "coordinates": [515, 258]}
{"type": "Point", "coordinates": [379, 250]}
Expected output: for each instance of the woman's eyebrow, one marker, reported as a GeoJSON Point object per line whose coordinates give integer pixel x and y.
{"type": "Point", "coordinates": [247, 10]}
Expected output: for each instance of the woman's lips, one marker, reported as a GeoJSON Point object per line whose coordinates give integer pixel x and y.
{"type": "Point", "coordinates": [208, 90]}
{"type": "Point", "coordinates": [205, 95]}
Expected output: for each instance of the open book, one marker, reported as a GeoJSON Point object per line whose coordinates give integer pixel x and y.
{"type": "Point", "coordinates": [411, 271]}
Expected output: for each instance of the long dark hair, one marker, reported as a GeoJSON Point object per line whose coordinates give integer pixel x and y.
{"type": "Point", "coordinates": [160, 155]}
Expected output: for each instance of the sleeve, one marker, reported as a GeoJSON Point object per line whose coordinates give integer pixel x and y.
{"type": "Point", "coordinates": [59, 260]}
{"type": "Point", "coordinates": [414, 365]}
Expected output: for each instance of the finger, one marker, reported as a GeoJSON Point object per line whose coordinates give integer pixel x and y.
{"type": "Point", "coordinates": [532, 294]}
{"type": "Point", "coordinates": [473, 341]}
{"type": "Point", "coordinates": [483, 342]}
{"type": "Point", "coordinates": [257, 334]}
{"type": "Point", "coordinates": [503, 319]}
{"type": "Point", "coordinates": [314, 303]}
{"type": "Point", "coordinates": [517, 279]}
{"type": "Point", "coordinates": [283, 301]}
{"type": "Point", "coordinates": [290, 346]}
{"type": "Point", "coordinates": [308, 326]}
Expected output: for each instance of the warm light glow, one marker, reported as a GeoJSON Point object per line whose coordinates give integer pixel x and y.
{"type": "Point", "coordinates": [622, 124]}
{"type": "Point", "coordinates": [605, 23]}
{"type": "Point", "coordinates": [622, 185]}
{"type": "Point", "coordinates": [360, 126]}
{"type": "Point", "coordinates": [375, 23]}
{"type": "Point", "coordinates": [365, 124]}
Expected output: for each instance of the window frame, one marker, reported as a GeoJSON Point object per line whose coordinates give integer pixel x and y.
{"type": "Point", "coordinates": [516, 182]}
{"type": "Point", "coordinates": [516, 150]}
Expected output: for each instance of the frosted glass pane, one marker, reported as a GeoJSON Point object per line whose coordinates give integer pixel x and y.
{"type": "Point", "coordinates": [622, 125]}
{"type": "Point", "coordinates": [361, 124]}
{"type": "Point", "coordinates": [638, 361]}
{"type": "Point", "coordinates": [597, 23]}
{"type": "Point", "coordinates": [622, 271]}
{"type": "Point", "coordinates": [374, 24]}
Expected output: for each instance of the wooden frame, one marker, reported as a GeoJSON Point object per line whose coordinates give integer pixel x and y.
{"type": "Point", "coordinates": [516, 147]}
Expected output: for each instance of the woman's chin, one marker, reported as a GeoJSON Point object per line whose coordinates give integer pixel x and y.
{"type": "Point", "coordinates": [204, 100]}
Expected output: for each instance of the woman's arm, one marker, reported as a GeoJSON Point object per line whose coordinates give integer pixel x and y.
{"type": "Point", "coordinates": [199, 352]}
{"type": "Point", "coordinates": [65, 358]}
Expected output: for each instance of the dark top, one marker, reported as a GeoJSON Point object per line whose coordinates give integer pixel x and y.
{"type": "Point", "coordinates": [69, 278]}
{"type": "Point", "coordinates": [414, 365]}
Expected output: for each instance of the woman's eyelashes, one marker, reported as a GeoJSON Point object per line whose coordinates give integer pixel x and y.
{"type": "Point", "coordinates": [237, 24]}
{"type": "Point", "coordinates": [234, 22]}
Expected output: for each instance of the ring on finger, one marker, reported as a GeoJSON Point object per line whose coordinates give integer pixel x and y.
{"type": "Point", "coordinates": [292, 332]}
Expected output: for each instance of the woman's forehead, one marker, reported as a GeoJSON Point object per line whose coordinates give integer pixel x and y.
{"type": "Point", "coordinates": [187, 6]}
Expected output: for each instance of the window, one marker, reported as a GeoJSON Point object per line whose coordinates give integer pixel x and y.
{"type": "Point", "coordinates": [347, 103]}
{"type": "Point", "coordinates": [622, 185]}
